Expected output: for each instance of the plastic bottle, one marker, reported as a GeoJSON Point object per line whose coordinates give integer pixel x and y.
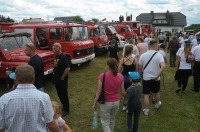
{"type": "Point", "coordinates": [95, 121]}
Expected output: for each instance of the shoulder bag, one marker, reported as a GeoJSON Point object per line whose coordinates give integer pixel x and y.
{"type": "Point", "coordinates": [101, 99]}
{"type": "Point", "coordinates": [149, 61]}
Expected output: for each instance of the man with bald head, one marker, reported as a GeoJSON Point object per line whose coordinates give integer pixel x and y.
{"type": "Point", "coordinates": [37, 63]}
{"type": "Point", "coordinates": [60, 77]}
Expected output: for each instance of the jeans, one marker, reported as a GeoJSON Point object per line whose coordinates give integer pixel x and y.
{"type": "Point", "coordinates": [135, 109]}
{"type": "Point", "coordinates": [108, 112]}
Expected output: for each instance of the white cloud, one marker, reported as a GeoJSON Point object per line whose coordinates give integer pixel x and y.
{"type": "Point", "coordinates": [88, 9]}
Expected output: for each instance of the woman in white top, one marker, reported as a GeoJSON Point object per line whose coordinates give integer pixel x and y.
{"type": "Point", "coordinates": [183, 67]}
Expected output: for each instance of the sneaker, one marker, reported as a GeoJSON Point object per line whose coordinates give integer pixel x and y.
{"type": "Point", "coordinates": [157, 105]}
{"type": "Point", "coordinates": [146, 112]}
{"type": "Point", "coordinates": [124, 108]}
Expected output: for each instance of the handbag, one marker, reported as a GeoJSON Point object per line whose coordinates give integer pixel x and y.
{"type": "Point", "coordinates": [101, 98]}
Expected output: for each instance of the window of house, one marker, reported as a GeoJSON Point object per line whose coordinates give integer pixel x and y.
{"type": "Point", "coordinates": [174, 30]}
{"type": "Point", "coordinates": [158, 30]}
{"type": "Point", "coordinates": [157, 21]}
{"type": "Point", "coordinates": [55, 33]}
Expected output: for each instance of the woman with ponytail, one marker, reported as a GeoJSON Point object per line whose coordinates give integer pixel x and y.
{"type": "Point", "coordinates": [128, 63]}
{"type": "Point", "coordinates": [114, 82]}
{"type": "Point", "coordinates": [184, 67]}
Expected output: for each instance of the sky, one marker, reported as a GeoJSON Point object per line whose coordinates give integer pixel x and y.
{"type": "Point", "coordinates": [88, 9]}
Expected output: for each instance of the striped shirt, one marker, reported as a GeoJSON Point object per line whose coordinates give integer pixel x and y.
{"type": "Point", "coordinates": [25, 109]}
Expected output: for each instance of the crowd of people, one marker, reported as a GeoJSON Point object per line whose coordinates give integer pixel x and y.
{"type": "Point", "coordinates": [141, 60]}
{"type": "Point", "coordinates": [28, 107]}
{"type": "Point", "coordinates": [148, 66]}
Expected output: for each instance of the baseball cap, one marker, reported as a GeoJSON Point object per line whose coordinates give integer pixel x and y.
{"type": "Point", "coordinates": [9, 69]}
{"type": "Point", "coordinates": [12, 75]}
{"type": "Point", "coordinates": [135, 76]}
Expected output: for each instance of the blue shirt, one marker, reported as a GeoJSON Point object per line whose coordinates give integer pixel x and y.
{"type": "Point", "coordinates": [25, 109]}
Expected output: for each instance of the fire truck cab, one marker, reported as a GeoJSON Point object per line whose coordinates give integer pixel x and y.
{"type": "Point", "coordinates": [148, 30]}
{"type": "Point", "coordinates": [110, 30]}
{"type": "Point", "coordinates": [98, 35]}
{"type": "Point", "coordinates": [125, 31]}
{"type": "Point", "coordinates": [73, 37]}
{"type": "Point", "coordinates": [135, 26]}
{"type": "Point", "coordinates": [12, 54]}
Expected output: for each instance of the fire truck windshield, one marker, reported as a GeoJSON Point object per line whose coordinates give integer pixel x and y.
{"type": "Point", "coordinates": [11, 43]}
{"type": "Point", "coordinates": [75, 33]}
{"type": "Point", "coordinates": [112, 29]}
{"type": "Point", "coordinates": [102, 31]}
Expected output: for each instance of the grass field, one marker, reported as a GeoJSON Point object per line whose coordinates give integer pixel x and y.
{"type": "Point", "coordinates": [178, 113]}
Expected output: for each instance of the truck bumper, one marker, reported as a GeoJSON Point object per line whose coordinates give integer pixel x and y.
{"type": "Point", "coordinates": [82, 60]}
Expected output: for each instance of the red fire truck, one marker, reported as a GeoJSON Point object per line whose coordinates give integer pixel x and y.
{"type": "Point", "coordinates": [98, 35]}
{"type": "Point", "coordinates": [110, 30]}
{"type": "Point", "coordinates": [135, 26]}
{"type": "Point", "coordinates": [124, 30]}
{"type": "Point", "coordinates": [12, 54]}
{"type": "Point", "coordinates": [73, 37]}
{"type": "Point", "coordinates": [148, 29]}
{"type": "Point", "coordinates": [4, 26]}
{"type": "Point", "coordinates": [142, 30]}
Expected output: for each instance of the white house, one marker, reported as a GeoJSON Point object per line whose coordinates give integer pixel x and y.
{"type": "Point", "coordinates": [166, 21]}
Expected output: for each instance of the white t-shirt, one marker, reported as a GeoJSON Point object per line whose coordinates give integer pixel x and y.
{"type": "Point", "coordinates": [154, 65]}
{"type": "Point", "coordinates": [183, 63]}
{"type": "Point", "coordinates": [182, 42]}
{"type": "Point", "coordinates": [196, 52]}
{"type": "Point", "coordinates": [191, 37]}
{"type": "Point", "coordinates": [194, 43]}
{"type": "Point", "coordinates": [179, 50]}
{"type": "Point", "coordinates": [162, 53]}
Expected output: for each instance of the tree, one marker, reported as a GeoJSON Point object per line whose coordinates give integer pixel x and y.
{"type": "Point", "coordinates": [95, 19]}
{"type": "Point", "coordinates": [4, 19]}
{"type": "Point", "coordinates": [77, 19]}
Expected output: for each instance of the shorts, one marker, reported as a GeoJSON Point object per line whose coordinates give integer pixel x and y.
{"type": "Point", "coordinates": [151, 86]}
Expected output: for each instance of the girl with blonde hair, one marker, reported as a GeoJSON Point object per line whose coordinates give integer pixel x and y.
{"type": "Point", "coordinates": [58, 119]}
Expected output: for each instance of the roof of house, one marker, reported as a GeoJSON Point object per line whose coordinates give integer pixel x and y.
{"type": "Point", "coordinates": [64, 19]}
{"type": "Point", "coordinates": [172, 18]}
